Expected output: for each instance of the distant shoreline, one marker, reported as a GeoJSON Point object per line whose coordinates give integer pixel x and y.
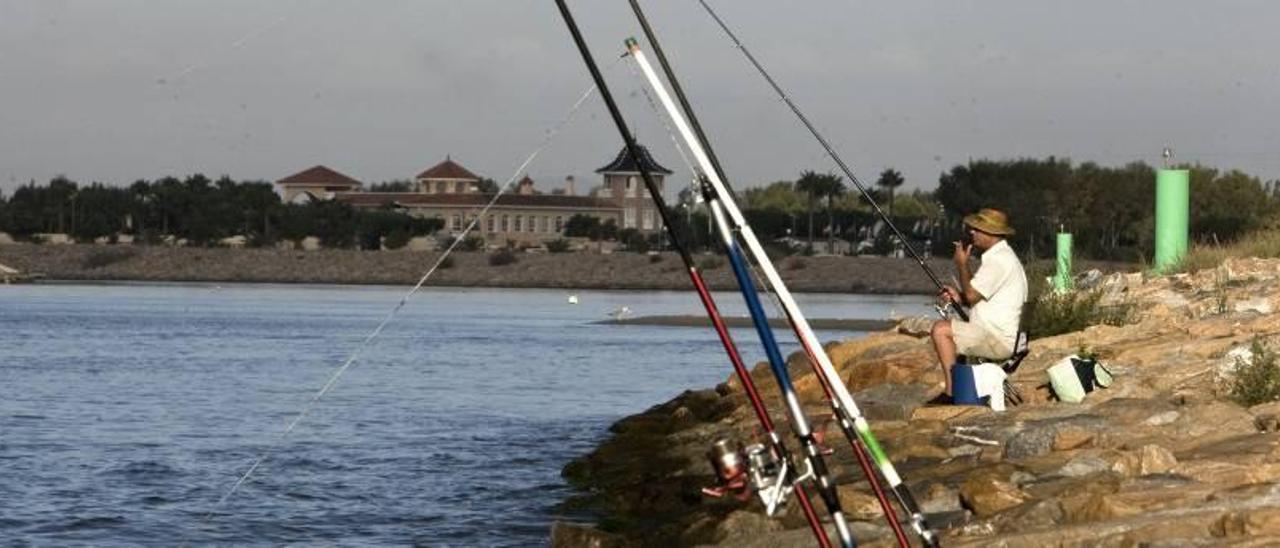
{"type": "Point", "coordinates": [568, 271]}
{"type": "Point", "coordinates": [581, 271]}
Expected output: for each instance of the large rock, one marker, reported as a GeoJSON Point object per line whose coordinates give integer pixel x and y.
{"type": "Point", "coordinates": [991, 491]}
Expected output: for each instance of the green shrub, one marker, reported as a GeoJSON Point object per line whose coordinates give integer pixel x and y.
{"type": "Point", "coordinates": [103, 257]}
{"type": "Point", "coordinates": [1257, 380]}
{"type": "Point", "coordinates": [559, 245]}
{"type": "Point", "coordinates": [447, 263]}
{"type": "Point", "coordinates": [1054, 313]}
{"type": "Point", "coordinates": [502, 257]}
{"type": "Point", "coordinates": [396, 239]}
{"type": "Point", "coordinates": [471, 243]}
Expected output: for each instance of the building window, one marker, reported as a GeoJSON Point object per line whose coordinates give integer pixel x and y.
{"type": "Point", "coordinates": [559, 224]}
{"type": "Point", "coordinates": [518, 227]}
{"type": "Point", "coordinates": [631, 187]}
{"type": "Point", "coordinates": [489, 222]}
{"type": "Point", "coordinates": [629, 218]}
{"type": "Point", "coordinates": [646, 220]}
{"type": "Point", "coordinates": [533, 221]}
{"type": "Point", "coordinates": [456, 222]}
{"type": "Point", "coordinates": [505, 223]}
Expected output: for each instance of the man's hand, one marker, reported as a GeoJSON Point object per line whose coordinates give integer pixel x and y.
{"type": "Point", "coordinates": [951, 295]}
{"type": "Point", "coordinates": [963, 250]}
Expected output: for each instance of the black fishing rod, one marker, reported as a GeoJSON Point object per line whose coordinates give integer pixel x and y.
{"type": "Point", "coordinates": [695, 276]}
{"type": "Point", "coordinates": [834, 156]}
{"type": "Point", "coordinates": [668, 70]}
{"type": "Point", "coordinates": [852, 422]}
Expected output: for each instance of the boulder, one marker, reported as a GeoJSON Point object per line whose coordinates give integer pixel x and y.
{"type": "Point", "coordinates": [991, 491]}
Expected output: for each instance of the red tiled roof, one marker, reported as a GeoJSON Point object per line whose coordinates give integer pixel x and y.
{"type": "Point", "coordinates": [319, 175]}
{"type": "Point", "coordinates": [410, 199]}
{"type": "Point", "coordinates": [448, 169]}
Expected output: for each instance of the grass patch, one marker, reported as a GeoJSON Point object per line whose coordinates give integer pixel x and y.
{"type": "Point", "coordinates": [710, 263]}
{"type": "Point", "coordinates": [1263, 244]}
{"type": "Point", "coordinates": [1257, 380]}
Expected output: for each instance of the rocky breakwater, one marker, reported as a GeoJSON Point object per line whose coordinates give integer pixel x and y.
{"type": "Point", "coordinates": [1163, 457]}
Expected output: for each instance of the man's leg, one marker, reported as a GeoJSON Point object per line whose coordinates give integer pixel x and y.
{"type": "Point", "coordinates": [944, 344]}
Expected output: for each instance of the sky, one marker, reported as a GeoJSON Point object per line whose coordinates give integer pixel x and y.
{"type": "Point", "coordinates": [119, 90]}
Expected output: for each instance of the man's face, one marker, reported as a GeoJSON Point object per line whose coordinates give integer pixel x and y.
{"type": "Point", "coordinates": [980, 239]}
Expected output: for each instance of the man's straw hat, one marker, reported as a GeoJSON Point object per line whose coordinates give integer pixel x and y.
{"type": "Point", "coordinates": [991, 221]}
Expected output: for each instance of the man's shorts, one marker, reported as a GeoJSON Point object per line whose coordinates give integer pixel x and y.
{"type": "Point", "coordinates": [977, 342]}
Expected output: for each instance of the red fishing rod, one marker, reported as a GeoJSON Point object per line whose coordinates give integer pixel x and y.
{"type": "Point", "coordinates": [695, 276]}
{"type": "Point", "coordinates": [864, 461]}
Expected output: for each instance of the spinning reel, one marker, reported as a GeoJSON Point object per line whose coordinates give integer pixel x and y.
{"type": "Point", "coordinates": [756, 469]}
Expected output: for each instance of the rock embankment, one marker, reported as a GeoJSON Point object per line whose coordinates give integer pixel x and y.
{"type": "Point", "coordinates": [559, 270]}
{"type": "Point", "coordinates": [1161, 458]}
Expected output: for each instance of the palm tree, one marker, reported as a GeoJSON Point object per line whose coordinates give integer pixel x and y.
{"type": "Point", "coordinates": [817, 186]}
{"type": "Point", "coordinates": [889, 180]}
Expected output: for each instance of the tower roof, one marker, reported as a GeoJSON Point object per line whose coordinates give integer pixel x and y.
{"type": "Point", "coordinates": [623, 163]}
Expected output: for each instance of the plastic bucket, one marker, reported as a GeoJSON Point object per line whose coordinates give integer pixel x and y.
{"type": "Point", "coordinates": [964, 391]}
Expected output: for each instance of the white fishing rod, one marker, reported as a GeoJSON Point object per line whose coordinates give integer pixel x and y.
{"type": "Point", "coordinates": [851, 420]}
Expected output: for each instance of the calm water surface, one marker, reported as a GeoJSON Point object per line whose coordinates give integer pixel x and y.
{"type": "Point", "coordinates": [127, 411]}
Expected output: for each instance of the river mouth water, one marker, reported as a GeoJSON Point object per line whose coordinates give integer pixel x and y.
{"type": "Point", "coordinates": [128, 410]}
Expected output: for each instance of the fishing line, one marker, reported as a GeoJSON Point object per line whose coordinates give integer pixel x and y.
{"type": "Point", "coordinates": [237, 44]}
{"type": "Point", "coordinates": [831, 153]}
{"type": "Point", "coordinates": [761, 281]}
{"type": "Point", "coordinates": [351, 359]}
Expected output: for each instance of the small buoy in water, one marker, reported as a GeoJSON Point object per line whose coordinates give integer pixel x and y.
{"type": "Point", "coordinates": [573, 299]}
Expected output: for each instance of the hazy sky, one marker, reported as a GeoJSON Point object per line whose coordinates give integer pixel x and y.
{"type": "Point", "coordinates": [116, 90]}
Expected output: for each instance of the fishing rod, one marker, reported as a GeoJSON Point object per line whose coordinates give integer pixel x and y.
{"type": "Point", "coordinates": [852, 422]}
{"type": "Point", "coordinates": [835, 157]}
{"type": "Point", "coordinates": [705, 145]}
{"type": "Point", "coordinates": [700, 286]}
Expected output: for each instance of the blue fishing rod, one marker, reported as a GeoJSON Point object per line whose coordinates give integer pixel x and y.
{"type": "Point", "coordinates": [859, 449]}
{"type": "Point", "coordinates": [783, 482]}
{"type": "Point", "coordinates": [813, 451]}
{"type": "Point", "coordinates": [852, 422]}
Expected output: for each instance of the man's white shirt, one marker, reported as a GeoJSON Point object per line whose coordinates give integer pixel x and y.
{"type": "Point", "coordinates": [1003, 285]}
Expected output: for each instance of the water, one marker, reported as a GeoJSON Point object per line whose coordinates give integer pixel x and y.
{"type": "Point", "coordinates": [127, 411]}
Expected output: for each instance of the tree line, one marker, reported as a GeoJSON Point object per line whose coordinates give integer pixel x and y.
{"type": "Point", "coordinates": [1110, 211]}
{"type": "Point", "coordinates": [200, 211]}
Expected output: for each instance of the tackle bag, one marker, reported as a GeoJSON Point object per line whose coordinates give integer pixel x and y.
{"type": "Point", "coordinates": [1073, 377]}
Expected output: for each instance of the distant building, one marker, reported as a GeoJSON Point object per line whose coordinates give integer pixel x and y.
{"type": "Point", "coordinates": [447, 177]}
{"type": "Point", "coordinates": [451, 192]}
{"type": "Point", "coordinates": [624, 186]}
{"type": "Point", "coordinates": [317, 183]}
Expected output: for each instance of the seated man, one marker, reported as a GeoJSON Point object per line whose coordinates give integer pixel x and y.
{"type": "Point", "coordinates": [994, 294]}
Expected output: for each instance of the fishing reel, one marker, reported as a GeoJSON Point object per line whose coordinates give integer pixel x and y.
{"type": "Point", "coordinates": [756, 469]}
